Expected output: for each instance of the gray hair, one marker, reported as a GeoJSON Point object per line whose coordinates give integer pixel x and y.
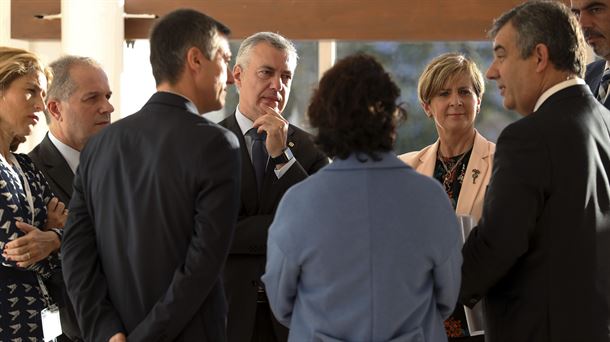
{"type": "Point", "coordinates": [550, 23]}
{"type": "Point", "coordinates": [63, 85]}
{"type": "Point", "coordinates": [274, 39]}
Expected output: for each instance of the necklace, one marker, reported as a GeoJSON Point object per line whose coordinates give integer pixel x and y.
{"type": "Point", "coordinates": [450, 174]}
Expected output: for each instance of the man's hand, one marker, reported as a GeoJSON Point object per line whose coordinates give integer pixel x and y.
{"type": "Point", "coordinates": [120, 337]}
{"type": "Point", "coordinates": [57, 214]}
{"type": "Point", "coordinates": [36, 245]}
{"type": "Point", "coordinates": [276, 127]}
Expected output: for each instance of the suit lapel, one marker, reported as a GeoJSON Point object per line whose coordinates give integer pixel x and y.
{"type": "Point", "coordinates": [428, 160]}
{"type": "Point", "coordinates": [56, 165]}
{"type": "Point", "coordinates": [476, 171]}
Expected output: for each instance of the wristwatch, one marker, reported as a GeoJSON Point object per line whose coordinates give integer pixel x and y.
{"type": "Point", "coordinates": [283, 158]}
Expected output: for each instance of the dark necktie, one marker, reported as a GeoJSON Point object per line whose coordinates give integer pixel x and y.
{"type": "Point", "coordinates": [603, 86]}
{"type": "Point", "coordinates": [259, 155]}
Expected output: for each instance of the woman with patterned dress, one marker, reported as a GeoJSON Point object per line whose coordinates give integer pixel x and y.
{"type": "Point", "coordinates": [29, 254]}
{"type": "Point", "coordinates": [450, 91]}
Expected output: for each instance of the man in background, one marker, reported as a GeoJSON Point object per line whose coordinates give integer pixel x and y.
{"type": "Point", "coordinates": [77, 107]}
{"type": "Point", "coordinates": [594, 18]}
{"type": "Point", "coordinates": [540, 256]}
{"type": "Point", "coordinates": [275, 155]}
{"type": "Point", "coordinates": [155, 200]}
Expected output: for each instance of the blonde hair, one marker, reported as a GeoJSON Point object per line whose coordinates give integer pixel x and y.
{"type": "Point", "coordinates": [444, 68]}
{"type": "Point", "coordinates": [15, 63]}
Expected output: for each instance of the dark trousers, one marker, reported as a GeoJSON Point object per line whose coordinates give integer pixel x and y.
{"type": "Point", "coordinates": [263, 324]}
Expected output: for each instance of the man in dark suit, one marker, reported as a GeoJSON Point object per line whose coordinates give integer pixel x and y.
{"type": "Point", "coordinates": [77, 107]}
{"type": "Point", "coordinates": [155, 200]}
{"type": "Point", "coordinates": [594, 18]}
{"type": "Point", "coordinates": [263, 73]}
{"type": "Point", "coordinates": [540, 256]}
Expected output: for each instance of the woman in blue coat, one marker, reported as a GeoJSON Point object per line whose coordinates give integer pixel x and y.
{"type": "Point", "coordinates": [366, 249]}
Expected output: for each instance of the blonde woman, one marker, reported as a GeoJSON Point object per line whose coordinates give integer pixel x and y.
{"type": "Point", "coordinates": [28, 253]}
{"type": "Point", "coordinates": [450, 91]}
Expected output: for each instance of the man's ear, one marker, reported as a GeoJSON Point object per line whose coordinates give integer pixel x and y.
{"type": "Point", "coordinates": [541, 53]}
{"type": "Point", "coordinates": [54, 109]}
{"type": "Point", "coordinates": [194, 59]}
{"type": "Point", "coordinates": [237, 72]}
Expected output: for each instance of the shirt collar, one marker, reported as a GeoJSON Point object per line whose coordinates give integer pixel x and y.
{"type": "Point", "coordinates": [70, 155]}
{"type": "Point", "coordinates": [244, 123]}
{"type": "Point", "coordinates": [557, 87]}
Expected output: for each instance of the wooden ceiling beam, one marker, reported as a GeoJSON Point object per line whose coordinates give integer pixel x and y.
{"type": "Point", "coordinates": [400, 20]}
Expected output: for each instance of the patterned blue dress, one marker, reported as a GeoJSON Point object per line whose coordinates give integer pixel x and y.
{"type": "Point", "coordinates": [20, 297]}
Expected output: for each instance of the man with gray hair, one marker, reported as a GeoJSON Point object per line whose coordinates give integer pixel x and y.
{"type": "Point", "coordinates": [540, 256]}
{"type": "Point", "coordinates": [77, 107]}
{"type": "Point", "coordinates": [280, 156]}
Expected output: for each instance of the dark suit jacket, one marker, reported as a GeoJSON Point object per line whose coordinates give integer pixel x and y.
{"type": "Point", "coordinates": [246, 262]}
{"type": "Point", "coordinates": [56, 170]}
{"type": "Point", "coordinates": [593, 77]}
{"type": "Point", "coordinates": [151, 221]}
{"type": "Point", "coordinates": [540, 256]}
{"type": "Point", "coordinates": [54, 167]}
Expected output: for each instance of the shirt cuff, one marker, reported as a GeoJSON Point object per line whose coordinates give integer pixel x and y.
{"type": "Point", "coordinates": [279, 173]}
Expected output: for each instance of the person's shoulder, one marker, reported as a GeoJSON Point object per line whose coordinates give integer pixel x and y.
{"type": "Point", "coordinates": [412, 158]}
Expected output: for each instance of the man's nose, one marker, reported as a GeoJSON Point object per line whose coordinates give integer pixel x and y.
{"type": "Point", "coordinates": [107, 108]}
{"type": "Point", "coordinates": [491, 73]}
{"type": "Point", "coordinates": [276, 83]}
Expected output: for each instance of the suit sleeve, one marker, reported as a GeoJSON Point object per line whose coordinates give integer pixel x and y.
{"type": "Point", "coordinates": [281, 273]}
{"type": "Point", "coordinates": [512, 204]}
{"type": "Point", "coordinates": [214, 223]}
{"type": "Point", "coordinates": [251, 232]}
{"type": "Point", "coordinates": [83, 276]}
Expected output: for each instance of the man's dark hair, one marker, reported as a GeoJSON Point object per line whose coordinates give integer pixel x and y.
{"type": "Point", "coordinates": [174, 34]}
{"type": "Point", "coordinates": [354, 109]}
{"type": "Point", "coordinates": [550, 23]}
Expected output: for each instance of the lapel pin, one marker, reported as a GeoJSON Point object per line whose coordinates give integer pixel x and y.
{"type": "Point", "coordinates": [290, 144]}
{"type": "Point", "coordinates": [475, 175]}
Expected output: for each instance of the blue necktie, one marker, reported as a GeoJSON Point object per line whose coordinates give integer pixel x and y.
{"type": "Point", "coordinates": [259, 155]}
{"type": "Point", "coordinates": [603, 86]}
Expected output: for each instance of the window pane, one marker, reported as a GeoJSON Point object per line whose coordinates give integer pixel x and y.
{"type": "Point", "coordinates": [406, 61]}
{"type": "Point", "coordinates": [138, 83]}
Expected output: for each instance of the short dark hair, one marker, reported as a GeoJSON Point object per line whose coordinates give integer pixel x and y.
{"type": "Point", "coordinates": [174, 34]}
{"type": "Point", "coordinates": [354, 109]}
{"type": "Point", "coordinates": [550, 23]}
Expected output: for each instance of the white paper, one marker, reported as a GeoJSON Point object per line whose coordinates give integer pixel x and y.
{"type": "Point", "coordinates": [474, 316]}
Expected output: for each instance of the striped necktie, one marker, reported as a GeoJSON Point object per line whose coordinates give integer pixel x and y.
{"type": "Point", "coordinates": [602, 91]}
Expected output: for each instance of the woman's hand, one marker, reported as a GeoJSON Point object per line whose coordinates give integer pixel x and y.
{"type": "Point", "coordinates": [57, 214]}
{"type": "Point", "coordinates": [36, 245]}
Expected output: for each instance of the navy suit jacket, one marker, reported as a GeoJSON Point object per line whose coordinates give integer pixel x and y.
{"type": "Point", "coordinates": [540, 256]}
{"type": "Point", "coordinates": [593, 77]}
{"type": "Point", "coordinates": [246, 262]}
{"type": "Point", "coordinates": [151, 221]}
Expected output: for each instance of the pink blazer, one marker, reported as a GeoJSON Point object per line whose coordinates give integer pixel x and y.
{"type": "Point", "coordinates": [470, 201]}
